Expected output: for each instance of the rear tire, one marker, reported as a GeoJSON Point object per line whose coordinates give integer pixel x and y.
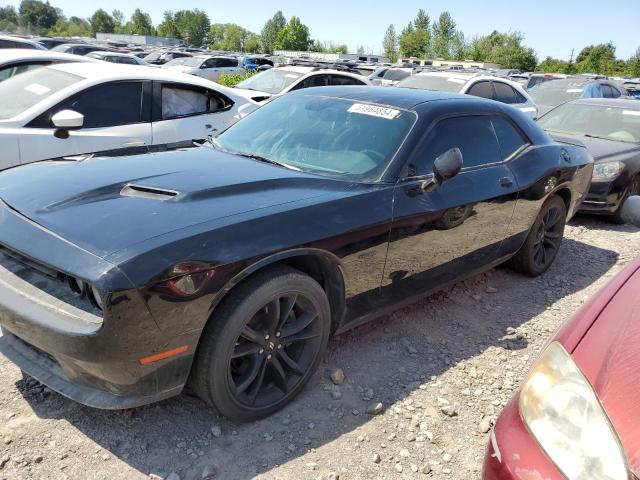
{"type": "Point", "coordinates": [263, 344]}
{"type": "Point", "coordinates": [543, 241]}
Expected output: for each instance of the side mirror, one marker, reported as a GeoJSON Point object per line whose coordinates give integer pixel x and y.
{"type": "Point", "coordinates": [447, 165]}
{"type": "Point", "coordinates": [66, 120]}
{"type": "Point", "coordinates": [630, 211]}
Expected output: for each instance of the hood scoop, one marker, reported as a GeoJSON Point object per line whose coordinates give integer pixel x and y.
{"type": "Point", "coordinates": [151, 193]}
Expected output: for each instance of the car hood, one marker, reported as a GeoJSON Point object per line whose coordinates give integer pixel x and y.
{"type": "Point", "coordinates": [602, 149]}
{"type": "Point", "coordinates": [255, 95]}
{"type": "Point", "coordinates": [107, 204]}
{"type": "Point", "coordinates": [609, 356]}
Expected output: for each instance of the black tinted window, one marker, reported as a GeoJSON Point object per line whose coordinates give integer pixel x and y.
{"type": "Point", "coordinates": [7, 44]}
{"type": "Point", "coordinates": [227, 62]}
{"type": "Point", "coordinates": [607, 91]}
{"type": "Point", "coordinates": [108, 105]}
{"type": "Point", "coordinates": [481, 89]}
{"type": "Point", "coordinates": [343, 80]}
{"type": "Point", "coordinates": [314, 81]}
{"type": "Point", "coordinates": [615, 92]}
{"type": "Point", "coordinates": [509, 137]}
{"type": "Point", "coordinates": [478, 144]}
{"type": "Point", "coordinates": [504, 93]}
{"type": "Point", "coordinates": [127, 61]}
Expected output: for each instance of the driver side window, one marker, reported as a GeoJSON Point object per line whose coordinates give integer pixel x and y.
{"type": "Point", "coordinates": [478, 144]}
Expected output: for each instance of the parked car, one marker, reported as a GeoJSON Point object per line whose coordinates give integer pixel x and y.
{"type": "Point", "coordinates": [395, 75]}
{"type": "Point", "coordinates": [574, 416]}
{"type": "Point", "coordinates": [633, 87]}
{"type": "Point", "coordinates": [479, 85]}
{"type": "Point", "coordinates": [548, 95]}
{"type": "Point", "coordinates": [79, 48]}
{"type": "Point", "coordinates": [231, 264]}
{"type": "Point", "coordinates": [610, 129]}
{"type": "Point", "coordinates": [49, 42]}
{"type": "Point", "coordinates": [206, 66]}
{"type": "Point", "coordinates": [117, 57]}
{"type": "Point", "coordinates": [375, 73]}
{"type": "Point", "coordinates": [275, 82]}
{"type": "Point", "coordinates": [16, 42]}
{"type": "Point", "coordinates": [75, 108]}
{"type": "Point", "coordinates": [15, 60]}
{"type": "Point", "coordinates": [160, 57]}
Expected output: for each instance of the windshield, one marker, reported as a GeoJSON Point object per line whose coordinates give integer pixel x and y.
{"type": "Point", "coordinates": [271, 81]}
{"type": "Point", "coordinates": [432, 82]}
{"type": "Point", "coordinates": [322, 135]}
{"type": "Point", "coordinates": [186, 61]}
{"type": "Point", "coordinates": [396, 75]}
{"type": "Point", "coordinates": [555, 92]}
{"type": "Point", "coordinates": [619, 124]}
{"type": "Point", "coordinates": [21, 92]}
{"type": "Point", "coordinates": [153, 56]}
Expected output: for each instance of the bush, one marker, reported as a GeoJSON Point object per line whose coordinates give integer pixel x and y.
{"type": "Point", "coordinates": [231, 80]}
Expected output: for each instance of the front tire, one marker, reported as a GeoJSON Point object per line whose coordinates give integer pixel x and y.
{"type": "Point", "coordinates": [262, 346]}
{"type": "Point", "coordinates": [543, 241]}
{"type": "Point", "coordinates": [634, 189]}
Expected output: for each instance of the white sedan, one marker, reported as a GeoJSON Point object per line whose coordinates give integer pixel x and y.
{"type": "Point", "coordinates": [18, 60]}
{"type": "Point", "coordinates": [206, 66]}
{"type": "Point", "coordinates": [76, 108]}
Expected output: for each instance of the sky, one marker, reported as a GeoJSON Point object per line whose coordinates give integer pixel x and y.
{"type": "Point", "coordinates": [551, 27]}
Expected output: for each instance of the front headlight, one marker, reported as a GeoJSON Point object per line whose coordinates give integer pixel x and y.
{"type": "Point", "coordinates": [564, 415]}
{"type": "Point", "coordinates": [607, 170]}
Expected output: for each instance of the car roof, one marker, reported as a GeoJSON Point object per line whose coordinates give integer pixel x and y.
{"type": "Point", "coordinates": [18, 39]}
{"type": "Point", "coordinates": [449, 74]}
{"type": "Point", "coordinates": [404, 98]}
{"type": "Point", "coordinates": [626, 103]}
{"type": "Point", "coordinates": [111, 54]}
{"type": "Point", "coordinates": [296, 69]}
{"type": "Point", "coordinates": [17, 54]}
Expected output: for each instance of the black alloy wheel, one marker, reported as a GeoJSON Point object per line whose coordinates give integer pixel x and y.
{"type": "Point", "coordinates": [274, 350]}
{"type": "Point", "coordinates": [263, 344]}
{"type": "Point", "coordinates": [543, 241]}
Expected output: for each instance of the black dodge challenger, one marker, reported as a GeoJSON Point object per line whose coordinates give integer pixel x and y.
{"type": "Point", "coordinates": [227, 267]}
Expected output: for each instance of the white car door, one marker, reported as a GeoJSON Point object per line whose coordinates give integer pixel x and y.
{"type": "Point", "coordinates": [116, 115]}
{"type": "Point", "coordinates": [10, 148]}
{"type": "Point", "coordinates": [188, 112]}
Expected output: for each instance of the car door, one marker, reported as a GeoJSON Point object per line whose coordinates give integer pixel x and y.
{"type": "Point", "coordinates": [230, 66]}
{"type": "Point", "coordinates": [116, 115]}
{"type": "Point", "coordinates": [183, 113]}
{"type": "Point", "coordinates": [455, 229]}
{"type": "Point", "coordinates": [209, 69]}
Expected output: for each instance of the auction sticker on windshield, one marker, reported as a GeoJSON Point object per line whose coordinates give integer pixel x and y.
{"type": "Point", "coordinates": [374, 111]}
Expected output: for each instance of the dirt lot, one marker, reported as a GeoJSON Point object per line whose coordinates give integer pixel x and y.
{"type": "Point", "coordinates": [463, 351]}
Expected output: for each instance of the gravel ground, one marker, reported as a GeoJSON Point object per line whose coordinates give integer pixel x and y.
{"type": "Point", "coordinates": [440, 371]}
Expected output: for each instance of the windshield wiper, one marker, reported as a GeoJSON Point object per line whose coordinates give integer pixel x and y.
{"type": "Point", "coordinates": [266, 160]}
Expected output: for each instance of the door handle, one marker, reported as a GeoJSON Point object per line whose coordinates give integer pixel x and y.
{"type": "Point", "coordinates": [506, 181]}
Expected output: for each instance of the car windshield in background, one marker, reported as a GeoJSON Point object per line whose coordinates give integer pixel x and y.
{"type": "Point", "coordinates": [152, 56]}
{"type": "Point", "coordinates": [271, 81]}
{"type": "Point", "coordinates": [326, 136]}
{"type": "Point", "coordinates": [396, 75]}
{"type": "Point", "coordinates": [619, 124]}
{"type": "Point", "coordinates": [556, 92]}
{"type": "Point", "coordinates": [186, 61]}
{"type": "Point", "coordinates": [21, 92]}
{"type": "Point", "coordinates": [433, 82]}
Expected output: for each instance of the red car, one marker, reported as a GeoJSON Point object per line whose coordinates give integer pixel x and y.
{"type": "Point", "coordinates": [577, 416]}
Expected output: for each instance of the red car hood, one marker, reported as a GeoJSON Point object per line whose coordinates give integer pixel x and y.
{"type": "Point", "coordinates": [609, 356]}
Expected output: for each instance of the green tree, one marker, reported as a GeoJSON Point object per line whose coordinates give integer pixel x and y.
{"type": "Point", "coordinates": [390, 44]}
{"type": "Point", "coordinates": [140, 23]}
{"type": "Point", "coordinates": [271, 30]}
{"type": "Point", "coordinates": [233, 38]}
{"type": "Point", "coordinates": [360, 50]}
{"type": "Point", "coordinates": [294, 36]}
{"type": "Point", "coordinates": [8, 18]}
{"type": "Point", "coordinates": [422, 20]}
{"type": "Point", "coordinates": [414, 42]}
{"type": "Point", "coordinates": [633, 65]}
{"type": "Point", "coordinates": [553, 65]}
{"type": "Point", "coordinates": [458, 47]}
{"type": "Point", "coordinates": [74, 27]}
{"type": "Point", "coordinates": [192, 25]}
{"type": "Point", "coordinates": [101, 21]}
{"type": "Point", "coordinates": [505, 49]}
{"type": "Point", "coordinates": [598, 59]}
{"type": "Point", "coordinates": [37, 16]}
{"type": "Point", "coordinates": [118, 21]}
{"type": "Point", "coordinates": [167, 27]}
{"type": "Point", "coordinates": [444, 32]}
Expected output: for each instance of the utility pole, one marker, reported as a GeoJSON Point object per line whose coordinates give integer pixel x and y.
{"type": "Point", "coordinates": [571, 57]}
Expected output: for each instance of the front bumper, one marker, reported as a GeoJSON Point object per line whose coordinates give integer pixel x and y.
{"type": "Point", "coordinates": [606, 197]}
{"type": "Point", "coordinates": [512, 454]}
{"type": "Point", "coordinates": [93, 360]}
